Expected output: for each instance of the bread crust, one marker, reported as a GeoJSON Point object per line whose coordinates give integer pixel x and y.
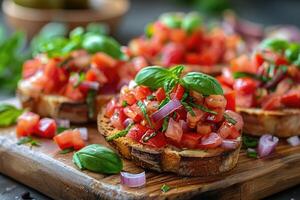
{"type": "Point", "coordinates": [56, 106]}
{"type": "Point", "coordinates": [281, 123]}
{"type": "Point", "coordinates": [202, 163]}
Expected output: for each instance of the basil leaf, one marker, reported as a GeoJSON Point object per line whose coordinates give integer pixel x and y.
{"type": "Point", "coordinates": [191, 21]}
{"type": "Point", "coordinates": [28, 140]}
{"type": "Point", "coordinates": [120, 133]}
{"type": "Point", "coordinates": [97, 28]}
{"type": "Point", "coordinates": [229, 119]}
{"type": "Point", "coordinates": [188, 108]}
{"type": "Point", "coordinates": [144, 111]}
{"type": "Point", "coordinates": [149, 30]}
{"type": "Point", "coordinates": [177, 70]}
{"type": "Point", "coordinates": [165, 188]}
{"type": "Point", "coordinates": [250, 142]}
{"type": "Point", "coordinates": [60, 130]}
{"type": "Point", "coordinates": [98, 158]}
{"type": "Point", "coordinates": [172, 20]}
{"type": "Point", "coordinates": [164, 102]}
{"type": "Point", "coordinates": [252, 153]}
{"type": "Point", "coordinates": [237, 75]}
{"type": "Point", "coordinates": [100, 43]}
{"type": "Point", "coordinates": [165, 124]}
{"type": "Point", "coordinates": [274, 44]}
{"type": "Point", "coordinates": [292, 52]}
{"type": "Point", "coordinates": [9, 115]}
{"type": "Point", "coordinates": [203, 108]}
{"type": "Point", "coordinates": [65, 151]}
{"type": "Point", "coordinates": [202, 83]}
{"type": "Point", "coordinates": [90, 100]}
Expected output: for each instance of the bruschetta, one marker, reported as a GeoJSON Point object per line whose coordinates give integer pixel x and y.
{"type": "Point", "coordinates": [172, 123]}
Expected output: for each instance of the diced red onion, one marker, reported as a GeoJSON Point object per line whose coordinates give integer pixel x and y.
{"type": "Point", "coordinates": [237, 117]}
{"type": "Point", "coordinates": [133, 180]}
{"type": "Point", "coordinates": [64, 123]}
{"type": "Point", "coordinates": [127, 122]}
{"type": "Point", "coordinates": [184, 126]}
{"type": "Point", "coordinates": [229, 144]}
{"type": "Point", "coordinates": [293, 141]}
{"type": "Point", "coordinates": [83, 133]}
{"type": "Point", "coordinates": [91, 85]}
{"type": "Point", "coordinates": [266, 145]}
{"type": "Point", "coordinates": [167, 109]}
{"type": "Point", "coordinates": [132, 84]}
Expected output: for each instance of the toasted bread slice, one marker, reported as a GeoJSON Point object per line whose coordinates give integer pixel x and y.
{"type": "Point", "coordinates": [283, 123]}
{"type": "Point", "coordinates": [56, 106]}
{"type": "Point", "coordinates": [170, 159]}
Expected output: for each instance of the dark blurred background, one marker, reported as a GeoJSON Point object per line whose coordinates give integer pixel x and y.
{"type": "Point", "coordinates": [266, 12]}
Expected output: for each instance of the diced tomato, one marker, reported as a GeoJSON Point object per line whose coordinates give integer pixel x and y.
{"type": "Point", "coordinates": [177, 35]}
{"type": "Point", "coordinates": [136, 132]}
{"type": "Point", "coordinates": [177, 92]}
{"type": "Point", "coordinates": [118, 118]}
{"type": "Point", "coordinates": [283, 86]}
{"type": "Point", "coordinates": [172, 54]}
{"type": "Point", "coordinates": [69, 139]}
{"type": "Point", "coordinates": [102, 60]}
{"type": "Point", "coordinates": [46, 128]}
{"type": "Point", "coordinates": [234, 133]}
{"type": "Point", "coordinates": [227, 77]}
{"type": "Point", "coordinates": [245, 101]}
{"type": "Point", "coordinates": [230, 97]}
{"type": "Point", "coordinates": [74, 93]}
{"type": "Point", "coordinates": [190, 140]}
{"type": "Point", "coordinates": [192, 120]}
{"type": "Point", "coordinates": [57, 77]}
{"type": "Point", "coordinates": [243, 64]}
{"type": "Point", "coordinates": [212, 141]}
{"type": "Point", "coordinates": [133, 113]}
{"type": "Point", "coordinates": [94, 74]}
{"type": "Point", "coordinates": [245, 85]}
{"type": "Point", "coordinates": [227, 129]}
{"type": "Point", "coordinates": [204, 128]}
{"type": "Point", "coordinates": [215, 118]}
{"type": "Point", "coordinates": [271, 102]}
{"type": "Point", "coordinates": [280, 60]}
{"type": "Point", "coordinates": [193, 40]}
{"type": "Point", "coordinates": [207, 58]}
{"type": "Point", "coordinates": [174, 130]}
{"type": "Point", "coordinates": [141, 92]}
{"type": "Point", "coordinates": [192, 58]}
{"type": "Point", "coordinates": [157, 141]}
{"type": "Point", "coordinates": [258, 60]}
{"type": "Point", "coordinates": [160, 94]}
{"type": "Point", "coordinates": [291, 99]}
{"type": "Point", "coordinates": [30, 67]}
{"type": "Point", "coordinates": [129, 98]}
{"type": "Point", "coordinates": [110, 108]}
{"type": "Point", "coordinates": [27, 124]}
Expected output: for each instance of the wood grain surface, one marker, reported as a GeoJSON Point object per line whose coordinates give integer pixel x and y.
{"type": "Point", "coordinates": [54, 174]}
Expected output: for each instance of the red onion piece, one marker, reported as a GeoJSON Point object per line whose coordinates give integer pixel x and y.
{"type": "Point", "coordinates": [293, 141]}
{"type": "Point", "coordinates": [64, 123]}
{"type": "Point", "coordinates": [167, 109]}
{"type": "Point", "coordinates": [184, 126]}
{"type": "Point", "coordinates": [83, 133]}
{"type": "Point", "coordinates": [133, 180]}
{"type": "Point", "coordinates": [229, 144]}
{"type": "Point", "coordinates": [266, 145]}
{"type": "Point", "coordinates": [237, 117]}
{"type": "Point", "coordinates": [127, 122]}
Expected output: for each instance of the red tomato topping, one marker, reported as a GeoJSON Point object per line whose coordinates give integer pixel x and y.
{"type": "Point", "coordinates": [177, 92]}
{"type": "Point", "coordinates": [27, 124]}
{"type": "Point", "coordinates": [69, 139]}
{"type": "Point", "coordinates": [157, 141]}
{"type": "Point", "coordinates": [133, 113]}
{"type": "Point", "coordinates": [230, 97]}
{"type": "Point", "coordinates": [118, 118]}
{"type": "Point", "coordinates": [291, 99]}
{"type": "Point", "coordinates": [30, 67]}
{"type": "Point", "coordinates": [142, 92]}
{"type": "Point", "coordinates": [245, 85]}
{"type": "Point", "coordinates": [190, 140]}
{"type": "Point", "coordinates": [46, 128]}
{"type": "Point", "coordinates": [160, 94]}
{"type": "Point", "coordinates": [271, 102]}
{"type": "Point", "coordinates": [136, 132]}
{"type": "Point", "coordinates": [174, 130]}
{"type": "Point", "coordinates": [172, 54]}
{"type": "Point", "coordinates": [110, 108]}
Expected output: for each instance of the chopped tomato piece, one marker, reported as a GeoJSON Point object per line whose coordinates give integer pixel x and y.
{"type": "Point", "coordinates": [174, 130]}
{"type": "Point", "coordinates": [212, 141]}
{"type": "Point", "coordinates": [245, 85]}
{"type": "Point", "coordinates": [177, 35]}
{"type": "Point", "coordinates": [230, 97]}
{"type": "Point", "coordinates": [234, 133]}
{"type": "Point", "coordinates": [172, 54]}
{"type": "Point", "coordinates": [27, 124]}
{"type": "Point", "coordinates": [129, 98]}
{"type": "Point", "coordinates": [69, 139]}
{"type": "Point", "coordinates": [46, 128]}
{"type": "Point", "coordinates": [190, 140]}
{"type": "Point", "coordinates": [118, 118]}
{"type": "Point", "coordinates": [243, 64]}
{"type": "Point", "coordinates": [160, 94]}
{"type": "Point", "coordinates": [245, 101]}
{"type": "Point", "coordinates": [291, 99]}
{"type": "Point", "coordinates": [133, 113]}
{"type": "Point", "coordinates": [136, 132]}
{"type": "Point", "coordinates": [177, 92]}
{"type": "Point", "coordinates": [227, 129]}
{"type": "Point", "coordinates": [141, 92]}
{"type": "Point", "coordinates": [271, 102]}
{"type": "Point", "coordinates": [102, 60]}
{"type": "Point", "coordinates": [30, 67]}
{"type": "Point", "coordinates": [192, 58]}
{"type": "Point", "coordinates": [74, 93]}
{"type": "Point", "coordinates": [139, 63]}
{"type": "Point", "coordinates": [258, 60]}
{"type": "Point", "coordinates": [157, 141]}
{"type": "Point", "coordinates": [110, 108]}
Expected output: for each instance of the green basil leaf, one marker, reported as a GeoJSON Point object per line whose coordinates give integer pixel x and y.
{"type": "Point", "coordinates": [9, 115]}
{"type": "Point", "coordinates": [292, 52]}
{"type": "Point", "coordinates": [172, 20]}
{"type": "Point", "coordinates": [165, 124]}
{"type": "Point", "coordinates": [90, 100]}
{"type": "Point", "coordinates": [165, 188]}
{"type": "Point", "coordinates": [65, 151]}
{"type": "Point", "coordinates": [191, 21]}
{"type": "Point", "coordinates": [188, 108]}
{"type": "Point", "coordinates": [252, 153]}
{"type": "Point", "coordinates": [100, 43]}
{"type": "Point", "coordinates": [202, 83]}
{"type": "Point", "coordinates": [28, 140]}
{"type": "Point", "coordinates": [250, 142]}
{"type": "Point", "coordinates": [98, 158]}
{"type": "Point", "coordinates": [144, 111]}
{"type": "Point", "coordinates": [97, 28]}
{"type": "Point", "coordinates": [229, 119]}
{"type": "Point", "coordinates": [120, 133]}
{"type": "Point", "coordinates": [201, 107]}
{"type": "Point", "coordinates": [177, 70]}
{"type": "Point", "coordinates": [274, 44]}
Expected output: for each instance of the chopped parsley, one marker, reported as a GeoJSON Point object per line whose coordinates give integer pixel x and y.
{"type": "Point", "coordinates": [65, 151]}
{"type": "Point", "coordinates": [120, 133]}
{"type": "Point", "coordinates": [229, 119]}
{"type": "Point", "coordinates": [250, 142]}
{"type": "Point", "coordinates": [165, 188]}
{"type": "Point", "coordinates": [124, 103]}
{"type": "Point", "coordinates": [28, 140]}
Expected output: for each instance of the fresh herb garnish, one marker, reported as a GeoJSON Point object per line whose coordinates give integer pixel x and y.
{"type": "Point", "coordinates": [9, 114]}
{"type": "Point", "coordinates": [79, 78]}
{"type": "Point", "coordinates": [90, 100]}
{"type": "Point", "coordinates": [164, 102]}
{"type": "Point", "coordinates": [124, 103]}
{"type": "Point", "coordinates": [146, 138]}
{"type": "Point", "coordinates": [203, 108]}
{"type": "Point", "coordinates": [188, 108]}
{"type": "Point", "coordinates": [250, 142]}
{"type": "Point", "coordinates": [252, 153]}
{"type": "Point", "coordinates": [65, 151]}
{"type": "Point", "coordinates": [229, 119]}
{"type": "Point", "coordinates": [237, 75]}
{"type": "Point", "coordinates": [144, 111]}
{"type": "Point", "coordinates": [120, 133]}
{"type": "Point", "coordinates": [61, 129]}
{"type": "Point", "coordinates": [165, 124]}
{"type": "Point", "coordinates": [150, 97]}
{"type": "Point", "coordinates": [28, 140]}
{"type": "Point", "coordinates": [165, 188]}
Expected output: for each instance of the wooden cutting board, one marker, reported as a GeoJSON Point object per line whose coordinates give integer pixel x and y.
{"type": "Point", "coordinates": [54, 174]}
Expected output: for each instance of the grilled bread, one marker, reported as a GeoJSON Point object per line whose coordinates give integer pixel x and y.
{"type": "Point", "coordinates": [281, 123]}
{"type": "Point", "coordinates": [170, 159]}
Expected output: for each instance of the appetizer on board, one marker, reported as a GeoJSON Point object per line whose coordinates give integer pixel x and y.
{"type": "Point", "coordinates": [72, 77]}
{"type": "Point", "coordinates": [267, 86]}
{"type": "Point", "coordinates": [168, 122]}
{"type": "Point", "coordinates": [178, 38]}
